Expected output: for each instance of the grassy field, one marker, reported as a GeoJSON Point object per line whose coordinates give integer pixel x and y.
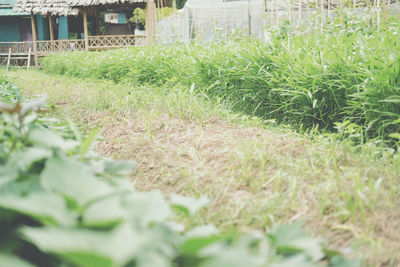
{"type": "Point", "coordinates": [256, 174]}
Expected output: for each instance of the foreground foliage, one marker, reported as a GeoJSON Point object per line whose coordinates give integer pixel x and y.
{"type": "Point", "coordinates": [61, 204]}
{"type": "Point", "coordinates": [349, 72]}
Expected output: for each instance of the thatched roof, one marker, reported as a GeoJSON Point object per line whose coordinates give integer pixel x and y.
{"type": "Point", "coordinates": [102, 2]}
{"type": "Point", "coordinates": [6, 9]}
{"type": "Point", "coordinates": [44, 7]}
{"type": "Point", "coordinates": [64, 7]}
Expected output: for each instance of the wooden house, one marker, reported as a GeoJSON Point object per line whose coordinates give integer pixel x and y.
{"type": "Point", "coordinates": [65, 25]}
{"type": "Point", "coordinates": [14, 26]}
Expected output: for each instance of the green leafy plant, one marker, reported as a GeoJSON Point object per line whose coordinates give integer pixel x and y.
{"type": "Point", "coordinates": [139, 14]}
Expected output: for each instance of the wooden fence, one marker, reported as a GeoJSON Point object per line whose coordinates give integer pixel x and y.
{"type": "Point", "coordinates": [101, 42]}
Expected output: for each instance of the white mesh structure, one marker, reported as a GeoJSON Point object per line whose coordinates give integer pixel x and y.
{"type": "Point", "coordinates": [213, 20]}
{"type": "Point", "coordinates": [210, 20]}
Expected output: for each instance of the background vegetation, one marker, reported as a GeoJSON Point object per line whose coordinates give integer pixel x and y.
{"type": "Point", "coordinates": [347, 73]}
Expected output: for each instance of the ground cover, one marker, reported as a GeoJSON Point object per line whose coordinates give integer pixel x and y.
{"type": "Point", "coordinates": [62, 204]}
{"type": "Point", "coordinates": [254, 176]}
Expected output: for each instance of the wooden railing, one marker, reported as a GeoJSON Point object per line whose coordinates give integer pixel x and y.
{"type": "Point", "coordinates": [16, 47]}
{"type": "Point", "coordinates": [115, 41]}
{"type": "Point", "coordinates": [59, 46]}
{"type": "Point", "coordinates": [101, 42]}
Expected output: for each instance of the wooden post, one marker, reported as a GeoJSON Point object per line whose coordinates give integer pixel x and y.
{"type": "Point", "coordinates": [28, 64]}
{"type": "Point", "coordinates": [9, 57]}
{"type": "Point", "coordinates": [150, 22]}
{"type": "Point", "coordinates": [34, 40]}
{"type": "Point", "coordinates": [249, 17]}
{"type": "Point", "coordinates": [299, 13]}
{"type": "Point", "coordinates": [378, 17]}
{"type": "Point", "coordinates": [97, 22]}
{"type": "Point", "coordinates": [51, 33]}
{"type": "Point", "coordinates": [85, 29]}
{"type": "Point", "coordinates": [322, 15]}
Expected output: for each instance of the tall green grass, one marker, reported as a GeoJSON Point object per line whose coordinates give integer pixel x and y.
{"type": "Point", "coordinates": [350, 71]}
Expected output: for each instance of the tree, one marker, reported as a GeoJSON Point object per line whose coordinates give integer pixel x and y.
{"type": "Point", "coordinates": [180, 3]}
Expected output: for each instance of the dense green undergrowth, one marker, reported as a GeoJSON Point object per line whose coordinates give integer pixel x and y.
{"type": "Point", "coordinates": [61, 204]}
{"type": "Point", "coordinates": [349, 72]}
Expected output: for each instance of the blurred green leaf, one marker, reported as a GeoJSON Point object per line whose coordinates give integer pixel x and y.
{"type": "Point", "coordinates": [198, 238]}
{"type": "Point", "coordinates": [294, 261]}
{"type": "Point", "coordinates": [84, 247]}
{"type": "Point", "coordinates": [226, 256]}
{"type": "Point", "coordinates": [73, 179]}
{"type": "Point", "coordinates": [46, 208]}
{"type": "Point", "coordinates": [188, 205]}
{"type": "Point", "coordinates": [25, 158]}
{"type": "Point", "coordinates": [121, 167]}
{"type": "Point", "coordinates": [9, 260]}
{"type": "Point", "coordinates": [148, 207]}
{"type": "Point", "coordinates": [339, 261]}
{"type": "Point", "coordinates": [88, 143]}
{"type": "Point", "coordinates": [289, 239]}
{"type": "Point", "coordinates": [44, 137]}
{"type": "Point", "coordinates": [105, 212]}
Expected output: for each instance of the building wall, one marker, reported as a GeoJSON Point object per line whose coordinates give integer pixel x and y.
{"type": "Point", "coordinates": [9, 29]}
{"type": "Point", "coordinates": [42, 25]}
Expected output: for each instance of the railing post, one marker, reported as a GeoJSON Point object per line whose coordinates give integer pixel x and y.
{"type": "Point", "coordinates": [150, 22]}
{"type": "Point", "coordinates": [28, 64]}
{"type": "Point", "coordinates": [34, 39]}
{"type": "Point", "coordinates": [9, 58]}
{"type": "Point", "coordinates": [51, 32]}
{"type": "Point", "coordinates": [85, 28]}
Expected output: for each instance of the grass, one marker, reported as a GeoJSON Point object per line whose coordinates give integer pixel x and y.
{"type": "Point", "coordinates": [347, 72]}
{"type": "Point", "coordinates": [255, 175]}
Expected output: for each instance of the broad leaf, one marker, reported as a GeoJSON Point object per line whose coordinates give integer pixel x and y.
{"type": "Point", "coordinates": [199, 238]}
{"type": "Point", "coordinates": [81, 247]}
{"type": "Point", "coordinates": [44, 137]}
{"type": "Point", "coordinates": [13, 261]}
{"type": "Point", "coordinates": [8, 173]}
{"type": "Point", "coordinates": [73, 179]}
{"type": "Point", "coordinates": [88, 143]}
{"type": "Point", "coordinates": [224, 256]}
{"type": "Point", "coordinates": [86, 247]}
{"type": "Point", "coordinates": [123, 168]}
{"type": "Point", "coordinates": [339, 261]}
{"type": "Point", "coordinates": [148, 207]}
{"type": "Point", "coordinates": [291, 238]}
{"type": "Point", "coordinates": [44, 207]}
{"type": "Point", "coordinates": [188, 205]}
{"type": "Point", "coordinates": [105, 212]}
{"type": "Point", "coordinates": [26, 158]}
{"type": "Point", "coordinates": [294, 261]}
